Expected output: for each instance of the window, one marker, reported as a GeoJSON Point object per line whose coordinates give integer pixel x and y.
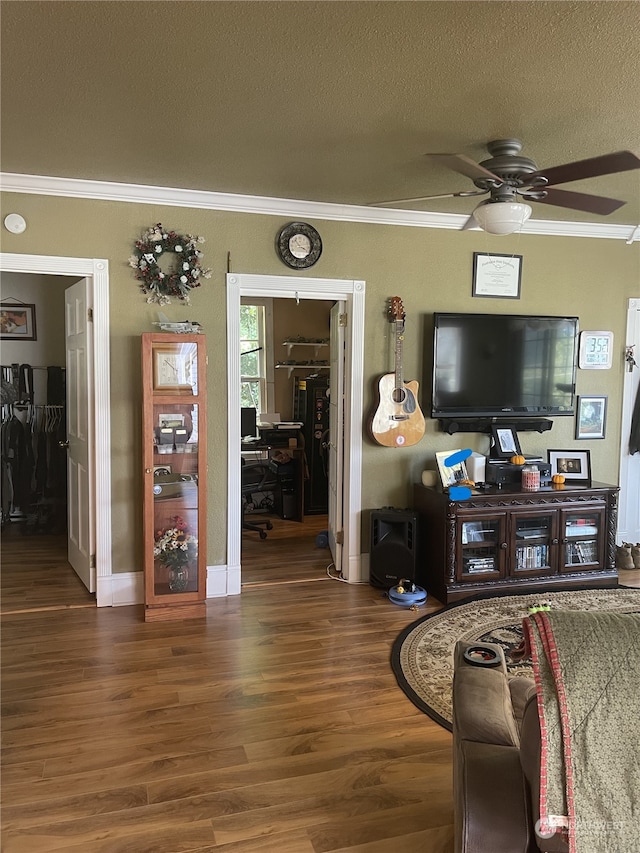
{"type": "Point", "coordinates": [256, 354]}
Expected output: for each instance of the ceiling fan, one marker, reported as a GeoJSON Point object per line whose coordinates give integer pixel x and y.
{"type": "Point", "coordinates": [507, 175]}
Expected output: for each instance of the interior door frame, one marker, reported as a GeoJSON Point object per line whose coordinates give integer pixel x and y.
{"type": "Point", "coordinates": [629, 474]}
{"type": "Point", "coordinates": [96, 270]}
{"type": "Point", "coordinates": [352, 292]}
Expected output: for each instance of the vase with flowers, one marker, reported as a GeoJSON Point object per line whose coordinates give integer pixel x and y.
{"type": "Point", "coordinates": [177, 549]}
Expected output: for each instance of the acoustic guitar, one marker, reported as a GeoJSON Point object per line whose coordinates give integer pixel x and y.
{"type": "Point", "coordinates": [397, 420]}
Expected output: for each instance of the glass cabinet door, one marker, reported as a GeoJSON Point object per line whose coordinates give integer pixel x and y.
{"type": "Point", "coordinates": [582, 540]}
{"type": "Point", "coordinates": [175, 497]}
{"type": "Point", "coordinates": [534, 536]}
{"type": "Point", "coordinates": [482, 547]}
{"type": "Point", "coordinates": [174, 424]}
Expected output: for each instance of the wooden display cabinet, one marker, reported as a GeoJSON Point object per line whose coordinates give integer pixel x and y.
{"type": "Point", "coordinates": [509, 540]}
{"type": "Point", "coordinates": [174, 430]}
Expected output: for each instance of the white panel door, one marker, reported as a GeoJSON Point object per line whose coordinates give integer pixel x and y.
{"type": "Point", "coordinates": [80, 464]}
{"type": "Point", "coordinates": [629, 514]}
{"type": "Point", "coordinates": [336, 435]}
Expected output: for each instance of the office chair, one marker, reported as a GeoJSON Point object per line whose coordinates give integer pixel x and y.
{"type": "Point", "coordinates": [258, 477]}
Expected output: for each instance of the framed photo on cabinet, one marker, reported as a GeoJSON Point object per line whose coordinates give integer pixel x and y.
{"type": "Point", "coordinates": [505, 442]}
{"type": "Point", "coordinates": [574, 464]}
{"type": "Point", "coordinates": [450, 475]}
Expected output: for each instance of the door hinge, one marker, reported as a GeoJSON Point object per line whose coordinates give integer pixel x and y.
{"type": "Point", "coordinates": [92, 561]}
{"type": "Point", "coordinates": [90, 315]}
{"type": "Point", "coordinates": [342, 320]}
{"type": "Point", "coordinates": [340, 537]}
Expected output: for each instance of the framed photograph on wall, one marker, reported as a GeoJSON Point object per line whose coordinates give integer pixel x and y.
{"type": "Point", "coordinates": [505, 442]}
{"type": "Point", "coordinates": [450, 475]}
{"type": "Point", "coordinates": [574, 464]}
{"type": "Point", "coordinates": [17, 321]}
{"type": "Point", "coordinates": [497, 276]}
{"type": "Point", "coordinates": [591, 417]}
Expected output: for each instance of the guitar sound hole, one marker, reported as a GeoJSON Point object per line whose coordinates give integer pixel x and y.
{"type": "Point", "coordinates": [399, 395]}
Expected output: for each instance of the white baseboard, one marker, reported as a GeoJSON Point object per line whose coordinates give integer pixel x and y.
{"type": "Point", "coordinates": [127, 588]}
{"type": "Point", "coordinates": [223, 581]}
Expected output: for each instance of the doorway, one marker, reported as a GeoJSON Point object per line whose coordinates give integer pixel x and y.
{"type": "Point", "coordinates": [351, 293]}
{"type": "Point", "coordinates": [96, 273]}
{"type": "Point", "coordinates": [285, 379]}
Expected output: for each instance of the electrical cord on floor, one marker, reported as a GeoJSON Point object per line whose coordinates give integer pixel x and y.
{"type": "Point", "coordinates": [336, 577]}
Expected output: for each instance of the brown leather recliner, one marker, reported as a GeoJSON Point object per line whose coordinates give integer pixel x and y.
{"type": "Point", "coordinates": [496, 762]}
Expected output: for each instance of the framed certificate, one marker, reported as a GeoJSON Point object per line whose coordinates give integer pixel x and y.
{"type": "Point", "coordinates": [497, 276]}
{"type": "Point", "coordinates": [596, 350]}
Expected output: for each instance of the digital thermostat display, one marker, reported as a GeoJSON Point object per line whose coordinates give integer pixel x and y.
{"type": "Point", "coordinates": [596, 350]}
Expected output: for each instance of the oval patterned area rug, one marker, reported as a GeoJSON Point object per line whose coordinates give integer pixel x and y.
{"type": "Point", "coordinates": [422, 655]}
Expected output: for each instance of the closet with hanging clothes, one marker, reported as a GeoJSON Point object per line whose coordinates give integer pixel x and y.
{"type": "Point", "coordinates": [33, 454]}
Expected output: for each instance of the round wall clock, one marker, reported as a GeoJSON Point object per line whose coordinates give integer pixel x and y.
{"type": "Point", "coordinates": [299, 245]}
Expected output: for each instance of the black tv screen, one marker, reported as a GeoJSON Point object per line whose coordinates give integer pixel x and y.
{"type": "Point", "coordinates": [501, 365]}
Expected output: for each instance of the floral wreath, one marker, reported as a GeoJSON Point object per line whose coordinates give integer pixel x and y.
{"type": "Point", "coordinates": [161, 286]}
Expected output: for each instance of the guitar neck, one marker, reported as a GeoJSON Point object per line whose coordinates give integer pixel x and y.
{"type": "Point", "coordinates": [399, 342]}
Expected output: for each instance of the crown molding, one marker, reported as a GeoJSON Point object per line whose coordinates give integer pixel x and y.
{"type": "Point", "coordinates": [265, 205]}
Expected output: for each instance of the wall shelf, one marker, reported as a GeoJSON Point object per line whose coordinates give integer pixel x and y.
{"type": "Point", "coordinates": [317, 345]}
{"type": "Point", "coordinates": [303, 365]}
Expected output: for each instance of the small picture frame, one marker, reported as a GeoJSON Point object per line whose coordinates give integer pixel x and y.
{"type": "Point", "coordinates": [574, 464]}
{"type": "Point", "coordinates": [17, 321]}
{"type": "Point", "coordinates": [496, 276]}
{"type": "Point", "coordinates": [161, 470]}
{"type": "Point", "coordinates": [450, 475]}
{"type": "Point", "coordinates": [505, 442]}
{"type": "Point", "coordinates": [591, 416]}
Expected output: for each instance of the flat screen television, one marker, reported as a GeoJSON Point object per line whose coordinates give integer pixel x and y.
{"type": "Point", "coordinates": [503, 366]}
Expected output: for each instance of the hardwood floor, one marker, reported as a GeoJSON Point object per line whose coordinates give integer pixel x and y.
{"type": "Point", "coordinates": [274, 725]}
{"type": "Point", "coordinates": [36, 574]}
{"type": "Point", "coordinates": [289, 554]}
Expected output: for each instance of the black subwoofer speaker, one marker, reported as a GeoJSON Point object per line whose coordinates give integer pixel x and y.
{"type": "Point", "coordinates": [394, 546]}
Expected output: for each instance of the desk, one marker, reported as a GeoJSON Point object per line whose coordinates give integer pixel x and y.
{"type": "Point", "coordinates": [290, 475]}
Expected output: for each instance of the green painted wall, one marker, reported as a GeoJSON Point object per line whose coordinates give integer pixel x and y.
{"type": "Point", "coordinates": [429, 269]}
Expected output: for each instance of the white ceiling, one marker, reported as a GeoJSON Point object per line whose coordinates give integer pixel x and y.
{"type": "Point", "coordinates": [323, 101]}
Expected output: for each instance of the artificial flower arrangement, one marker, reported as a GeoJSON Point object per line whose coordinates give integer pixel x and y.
{"type": "Point", "coordinates": [162, 286]}
{"type": "Point", "coordinates": [176, 548]}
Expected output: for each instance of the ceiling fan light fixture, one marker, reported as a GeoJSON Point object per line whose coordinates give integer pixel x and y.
{"type": "Point", "coordinates": [501, 217]}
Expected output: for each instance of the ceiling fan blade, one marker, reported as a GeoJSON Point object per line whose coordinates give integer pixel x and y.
{"type": "Point", "coordinates": [464, 194]}
{"type": "Point", "coordinates": [464, 165]}
{"type": "Point", "coordinates": [579, 201]}
{"type": "Point", "coordinates": [606, 164]}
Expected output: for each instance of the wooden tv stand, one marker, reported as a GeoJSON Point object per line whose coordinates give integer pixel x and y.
{"type": "Point", "coordinates": [508, 540]}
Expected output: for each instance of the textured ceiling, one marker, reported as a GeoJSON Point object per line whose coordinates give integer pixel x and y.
{"type": "Point", "coordinates": [323, 101]}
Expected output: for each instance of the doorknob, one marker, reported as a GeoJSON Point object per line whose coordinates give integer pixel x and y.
{"type": "Point", "coordinates": [64, 444]}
